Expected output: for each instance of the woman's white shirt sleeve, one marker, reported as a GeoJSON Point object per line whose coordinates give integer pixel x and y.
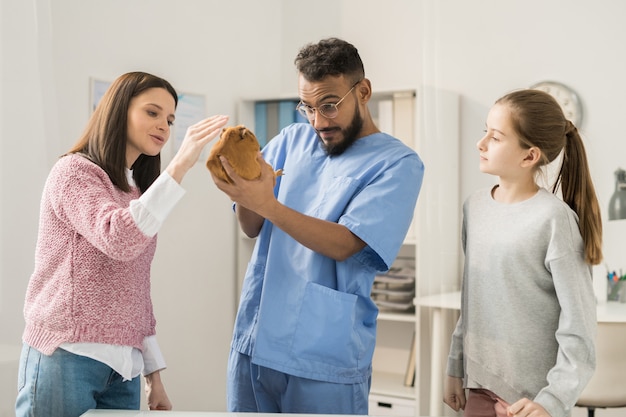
{"type": "Point", "coordinates": [152, 357]}
{"type": "Point", "coordinates": [153, 207]}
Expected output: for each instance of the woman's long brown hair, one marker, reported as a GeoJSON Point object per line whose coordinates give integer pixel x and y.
{"type": "Point", "coordinates": [105, 137]}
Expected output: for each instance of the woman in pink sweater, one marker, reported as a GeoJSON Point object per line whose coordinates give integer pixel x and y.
{"type": "Point", "coordinates": [90, 327]}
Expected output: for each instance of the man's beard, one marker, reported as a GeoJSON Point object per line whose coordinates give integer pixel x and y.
{"type": "Point", "coordinates": [349, 136]}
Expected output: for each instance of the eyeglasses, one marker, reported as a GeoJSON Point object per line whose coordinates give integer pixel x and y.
{"type": "Point", "coordinates": [328, 110]}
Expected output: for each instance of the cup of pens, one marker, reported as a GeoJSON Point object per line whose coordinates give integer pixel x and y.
{"type": "Point", "coordinates": [616, 287]}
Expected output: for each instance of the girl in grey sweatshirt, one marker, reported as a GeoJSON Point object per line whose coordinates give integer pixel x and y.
{"type": "Point", "coordinates": [524, 342]}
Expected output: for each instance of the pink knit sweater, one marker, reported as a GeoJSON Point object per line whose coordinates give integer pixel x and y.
{"type": "Point", "coordinates": [91, 281]}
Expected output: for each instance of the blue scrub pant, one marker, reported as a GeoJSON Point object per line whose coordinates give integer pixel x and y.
{"type": "Point", "coordinates": [257, 389]}
{"type": "Point", "coordinates": [67, 385]}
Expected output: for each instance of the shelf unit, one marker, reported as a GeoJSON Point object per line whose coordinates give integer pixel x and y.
{"type": "Point", "coordinates": [438, 220]}
{"type": "Point", "coordinates": [398, 112]}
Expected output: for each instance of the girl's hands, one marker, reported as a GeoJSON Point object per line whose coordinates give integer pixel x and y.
{"type": "Point", "coordinates": [196, 138]}
{"type": "Point", "coordinates": [526, 408]}
{"type": "Point", "coordinates": [453, 393]}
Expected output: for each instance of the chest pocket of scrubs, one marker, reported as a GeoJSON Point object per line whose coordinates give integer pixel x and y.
{"type": "Point", "coordinates": [325, 331]}
{"type": "Point", "coordinates": [334, 199]}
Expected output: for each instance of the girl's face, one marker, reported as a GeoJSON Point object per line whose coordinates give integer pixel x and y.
{"type": "Point", "coordinates": [150, 117]}
{"type": "Point", "coordinates": [500, 150]}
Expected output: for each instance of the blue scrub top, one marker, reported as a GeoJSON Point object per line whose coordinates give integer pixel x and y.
{"type": "Point", "coordinates": [303, 313]}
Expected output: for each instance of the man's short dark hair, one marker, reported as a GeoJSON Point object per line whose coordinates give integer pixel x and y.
{"type": "Point", "coordinates": [331, 56]}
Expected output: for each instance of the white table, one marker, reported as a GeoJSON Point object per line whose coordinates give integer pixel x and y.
{"type": "Point", "coordinates": [611, 312]}
{"type": "Point", "coordinates": [608, 312]}
{"type": "Point", "coordinates": [120, 413]}
{"type": "Point", "coordinates": [123, 413]}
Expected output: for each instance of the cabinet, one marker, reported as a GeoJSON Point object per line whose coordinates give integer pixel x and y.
{"type": "Point", "coordinates": [434, 243]}
{"type": "Point", "coordinates": [438, 218]}
{"type": "Point", "coordinates": [396, 113]}
{"type": "Point", "coordinates": [430, 126]}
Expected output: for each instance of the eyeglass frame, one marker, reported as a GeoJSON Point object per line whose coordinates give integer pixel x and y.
{"type": "Point", "coordinates": [301, 107]}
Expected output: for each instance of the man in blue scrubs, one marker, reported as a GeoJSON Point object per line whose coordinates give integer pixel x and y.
{"type": "Point", "coordinates": [306, 327]}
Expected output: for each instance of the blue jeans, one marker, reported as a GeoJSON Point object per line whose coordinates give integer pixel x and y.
{"type": "Point", "coordinates": [257, 389]}
{"type": "Point", "coordinates": [67, 385]}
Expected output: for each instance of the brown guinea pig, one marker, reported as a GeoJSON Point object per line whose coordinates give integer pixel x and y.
{"type": "Point", "coordinates": [240, 147]}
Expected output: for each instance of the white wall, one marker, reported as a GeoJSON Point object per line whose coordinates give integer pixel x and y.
{"type": "Point", "coordinates": [483, 49]}
{"type": "Point", "coordinates": [224, 49]}
{"type": "Point", "coordinates": [487, 48]}
{"type": "Point", "coordinates": [49, 52]}
{"type": "Point", "coordinates": [245, 48]}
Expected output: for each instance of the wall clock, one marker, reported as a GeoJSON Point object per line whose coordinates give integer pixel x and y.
{"type": "Point", "coordinates": [566, 97]}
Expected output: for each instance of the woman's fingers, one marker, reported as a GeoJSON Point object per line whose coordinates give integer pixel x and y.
{"type": "Point", "coordinates": [207, 129]}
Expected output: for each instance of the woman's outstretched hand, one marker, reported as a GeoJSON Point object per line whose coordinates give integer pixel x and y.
{"type": "Point", "coordinates": [197, 137]}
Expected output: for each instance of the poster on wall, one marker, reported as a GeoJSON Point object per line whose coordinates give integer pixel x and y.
{"type": "Point", "coordinates": [98, 88]}
{"type": "Point", "coordinates": [191, 109]}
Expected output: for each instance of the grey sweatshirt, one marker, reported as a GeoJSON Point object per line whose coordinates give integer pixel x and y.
{"type": "Point", "coordinates": [528, 314]}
